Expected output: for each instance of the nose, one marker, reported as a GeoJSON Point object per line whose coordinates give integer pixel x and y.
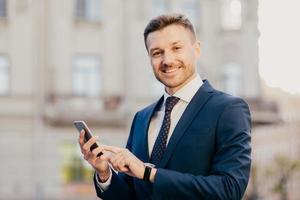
{"type": "Point", "coordinates": [168, 59]}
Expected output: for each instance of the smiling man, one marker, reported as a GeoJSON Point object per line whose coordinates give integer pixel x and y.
{"type": "Point", "coordinates": [193, 143]}
{"type": "Point", "coordinates": [173, 52]}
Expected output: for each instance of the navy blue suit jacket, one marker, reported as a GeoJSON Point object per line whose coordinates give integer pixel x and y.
{"type": "Point", "coordinates": [207, 157]}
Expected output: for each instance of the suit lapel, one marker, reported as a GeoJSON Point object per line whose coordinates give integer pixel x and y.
{"type": "Point", "coordinates": [144, 126]}
{"type": "Point", "coordinates": [197, 102]}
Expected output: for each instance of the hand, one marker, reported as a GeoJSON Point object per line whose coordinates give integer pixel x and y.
{"type": "Point", "coordinates": [100, 164]}
{"type": "Point", "coordinates": [124, 161]}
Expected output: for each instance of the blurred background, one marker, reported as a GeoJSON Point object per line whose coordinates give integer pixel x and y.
{"type": "Point", "coordinates": [65, 60]}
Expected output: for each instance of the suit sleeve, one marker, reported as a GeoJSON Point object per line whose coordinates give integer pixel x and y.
{"type": "Point", "coordinates": [230, 169]}
{"type": "Point", "coordinates": [121, 186]}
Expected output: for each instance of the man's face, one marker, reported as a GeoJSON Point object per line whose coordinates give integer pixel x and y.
{"type": "Point", "coordinates": [173, 53]}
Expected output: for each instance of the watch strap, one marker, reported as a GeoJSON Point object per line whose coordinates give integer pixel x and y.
{"type": "Point", "coordinates": [147, 173]}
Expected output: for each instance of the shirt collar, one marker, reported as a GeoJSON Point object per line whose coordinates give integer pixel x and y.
{"type": "Point", "coordinates": [187, 92]}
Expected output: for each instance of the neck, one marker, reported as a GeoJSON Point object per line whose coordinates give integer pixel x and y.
{"type": "Point", "coordinates": [172, 90]}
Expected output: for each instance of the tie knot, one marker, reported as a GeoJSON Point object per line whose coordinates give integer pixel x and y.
{"type": "Point", "coordinates": [171, 102]}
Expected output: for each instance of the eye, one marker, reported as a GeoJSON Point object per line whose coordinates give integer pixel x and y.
{"type": "Point", "coordinates": [156, 53]}
{"type": "Point", "coordinates": [177, 47]}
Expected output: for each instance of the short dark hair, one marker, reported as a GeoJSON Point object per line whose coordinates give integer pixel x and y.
{"type": "Point", "coordinates": [165, 20]}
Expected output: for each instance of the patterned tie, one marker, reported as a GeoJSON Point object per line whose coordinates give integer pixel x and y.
{"type": "Point", "coordinates": [161, 140]}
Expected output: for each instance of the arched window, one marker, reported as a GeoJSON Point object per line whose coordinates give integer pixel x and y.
{"type": "Point", "coordinates": [231, 14]}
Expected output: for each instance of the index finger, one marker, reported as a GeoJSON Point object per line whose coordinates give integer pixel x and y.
{"type": "Point", "coordinates": [112, 149]}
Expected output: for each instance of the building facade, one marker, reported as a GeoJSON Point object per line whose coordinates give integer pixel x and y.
{"type": "Point", "coordinates": [85, 59]}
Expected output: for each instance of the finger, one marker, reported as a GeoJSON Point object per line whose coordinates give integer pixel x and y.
{"type": "Point", "coordinates": [104, 157]}
{"type": "Point", "coordinates": [101, 148]}
{"type": "Point", "coordinates": [120, 162]}
{"type": "Point", "coordinates": [124, 169]}
{"type": "Point", "coordinates": [81, 138]}
{"type": "Point", "coordinates": [122, 166]}
{"type": "Point", "coordinates": [97, 152]}
{"type": "Point", "coordinates": [86, 147]}
{"type": "Point", "coordinates": [87, 156]}
{"type": "Point", "coordinates": [113, 159]}
{"type": "Point", "coordinates": [112, 149]}
{"type": "Point", "coordinates": [117, 162]}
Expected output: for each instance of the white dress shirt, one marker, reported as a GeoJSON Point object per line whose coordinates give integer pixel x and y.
{"type": "Point", "coordinates": [185, 94]}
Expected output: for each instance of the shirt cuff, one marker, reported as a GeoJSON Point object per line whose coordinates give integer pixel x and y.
{"type": "Point", "coordinates": [103, 185]}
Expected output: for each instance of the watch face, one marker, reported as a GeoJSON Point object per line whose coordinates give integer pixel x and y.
{"type": "Point", "coordinates": [149, 165]}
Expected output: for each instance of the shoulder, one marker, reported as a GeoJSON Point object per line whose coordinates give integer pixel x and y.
{"type": "Point", "coordinates": [222, 99]}
{"type": "Point", "coordinates": [231, 110]}
{"type": "Point", "coordinates": [218, 99]}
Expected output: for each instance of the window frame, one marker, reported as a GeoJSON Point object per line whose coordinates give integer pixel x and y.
{"type": "Point", "coordinates": [232, 78]}
{"type": "Point", "coordinates": [8, 73]}
{"type": "Point", "coordinates": [82, 13]}
{"type": "Point", "coordinates": [226, 19]}
{"type": "Point", "coordinates": [96, 58]}
{"type": "Point", "coordinates": [5, 9]}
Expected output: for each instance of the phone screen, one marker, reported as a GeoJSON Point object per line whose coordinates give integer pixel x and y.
{"type": "Point", "coordinates": [81, 125]}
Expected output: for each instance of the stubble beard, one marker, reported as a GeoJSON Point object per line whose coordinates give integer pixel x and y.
{"type": "Point", "coordinates": [174, 83]}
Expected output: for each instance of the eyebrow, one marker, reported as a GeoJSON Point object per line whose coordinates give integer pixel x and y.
{"type": "Point", "coordinates": [157, 48]}
{"type": "Point", "coordinates": [176, 42]}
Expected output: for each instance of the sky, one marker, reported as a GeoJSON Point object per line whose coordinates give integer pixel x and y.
{"type": "Point", "coordinates": [279, 43]}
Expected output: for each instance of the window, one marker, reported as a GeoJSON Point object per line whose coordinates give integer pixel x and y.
{"type": "Point", "coordinates": [86, 78]}
{"type": "Point", "coordinates": [159, 7]}
{"type": "Point", "coordinates": [189, 7]}
{"type": "Point", "coordinates": [4, 75]}
{"type": "Point", "coordinates": [88, 10]}
{"type": "Point", "coordinates": [232, 78]}
{"type": "Point", "coordinates": [231, 14]}
{"type": "Point", "coordinates": [3, 8]}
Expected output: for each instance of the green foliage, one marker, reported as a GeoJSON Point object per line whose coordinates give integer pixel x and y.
{"type": "Point", "coordinates": [74, 169]}
{"type": "Point", "coordinates": [282, 170]}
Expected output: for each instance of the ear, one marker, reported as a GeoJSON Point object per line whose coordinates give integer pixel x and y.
{"type": "Point", "coordinates": [197, 49]}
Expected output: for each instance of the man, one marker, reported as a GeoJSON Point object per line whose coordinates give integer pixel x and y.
{"type": "Point", "coordinates": [197, 137]}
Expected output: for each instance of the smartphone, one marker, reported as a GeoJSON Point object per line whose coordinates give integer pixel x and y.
{"type": "Point", "coordinates": [81, 125]}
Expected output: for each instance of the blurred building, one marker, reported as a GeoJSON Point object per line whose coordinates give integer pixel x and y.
{"type": "Point", "coordinates": [85, 59]}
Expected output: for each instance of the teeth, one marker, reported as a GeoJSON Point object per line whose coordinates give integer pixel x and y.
{"type": "Point", "coordinates": [171, 70]}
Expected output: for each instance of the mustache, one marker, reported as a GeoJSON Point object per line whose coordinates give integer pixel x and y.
{"type": "Point", "coordinates": [171, 66]}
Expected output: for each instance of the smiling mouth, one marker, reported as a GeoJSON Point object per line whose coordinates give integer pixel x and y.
{"type": "Point", "coordinates": [171, 70]}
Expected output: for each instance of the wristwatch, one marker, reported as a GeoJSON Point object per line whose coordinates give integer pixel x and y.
{"type": "Point", "coordinates": [148, 168]}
